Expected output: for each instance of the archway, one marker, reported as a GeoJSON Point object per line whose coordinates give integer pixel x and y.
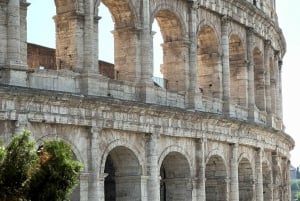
{"type": "Point", "coordinates": [238, 71]}
{"type": "Point", "coordinates": [41, 46]}
{"type": "Point", "coordinates": [259, 79]}
{"type": "Point", "coordinates": [246, 180]}
{"type": "Point", "coordinates": [215, 175]}
{"type": "Point", "coordinates": [175, 175]}
{"type": "Point", "coordinates": [267, 182]}
{"type": "Point", "coordinates": [209, 63]}
{"type": "Point", "coordinates": [123, 181]}
{"type": "Point", "coordinates": [174, 50]}
{"type": "Point", "coordinates": [126, 39]}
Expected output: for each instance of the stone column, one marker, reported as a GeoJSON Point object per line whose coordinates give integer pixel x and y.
{"type": "Point", "coordinates": [280, 89]}
{"type": "Point", "coordinates": [288, 180]}
{"type": "Point", "coordinates": [84, 185]}
{"type": "Point", "coordinates": [276, 176]}
{"type": "Point", "coordinates": [193, 88]}
{"type": "Point", "coordinates": [153, 184]}
{"type": "Point", "coordinates": [200, 169]}
{"type": "Point", "coordinates": [234, 173]}
{"type": "Point", "coordinates": [88, 50]}
{"type": "Point", "coordinates": [145, 52]}
{"type": "Point", "coordinates": [251, 92]}
{"type": "Point", "coordinates": [21, 124]}
{"type": "Point", "coordinates": [267, 45]}
{"type": "Point", "coordinates": [225, 64]}
{"type": "Point", "coordinates": [13, 33]}
{"type": "Point", "coordinates": [94, 190]}
{"type": "Point", "coordinates": [259, 176]}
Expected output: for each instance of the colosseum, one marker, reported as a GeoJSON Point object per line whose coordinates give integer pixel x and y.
{"type": "Point", "coordinates": [211, 129]}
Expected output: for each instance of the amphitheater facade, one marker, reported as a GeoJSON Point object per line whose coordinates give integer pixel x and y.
{"type": "Point", "coordinates": [212, 130]}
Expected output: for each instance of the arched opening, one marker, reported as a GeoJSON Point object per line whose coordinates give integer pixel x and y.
{"type": "Point", "coordinates": [267, 182]}
{"type": "Point", "coordinates": [259, 79]}
{"type": "Point", "coordinates": [106, 43]}
{"type": "Point", "coordinates": [174, 50]}
{"type": "Point", "coordinates": [157, 55]}
{"type": "Point", "coordinates": [41, 35]}
{"type": "Point", "coordinates": [246, 180]}
{"type": "Point", "coordinates": [126, 39]}
{"type": "Point", "coordinates": [123, 175]}
{"type": "Point", "coordinates": [175, 175]}
{"type": "Point", "coordinates": [215, 175]}
{"type": "Point", "coordinates": [209, 63]}
{"type": "Point", "coordinates": [238, 71]}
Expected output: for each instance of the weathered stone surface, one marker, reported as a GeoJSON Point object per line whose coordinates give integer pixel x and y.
{"type": "Point", "coordinates": [214, 131]}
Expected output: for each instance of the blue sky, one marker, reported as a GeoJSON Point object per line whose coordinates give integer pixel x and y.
{"type": "Point", "coordinates": [41, 30]}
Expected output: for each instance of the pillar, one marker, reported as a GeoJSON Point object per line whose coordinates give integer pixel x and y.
{"type": "Point", "coordinates": [153, 184]}
{"type": "Point", "coordinates": [251, 92]}
{"type": "Point", "coordinates": [146, 51]}
{"type": "Point", "coordinates": [259, 176]}
{"type": "Point", "coordinates": [89, 46]}
{"type": "Point", "coordinates": [234, 171]}
{"type": "Point", "coordinates": [267, 46]}
{"type": "Point", "coordinates": [276, 176]}
{"type": "Point", "coordinates": [200, 169]}
{"type": "Point", "coordinates": [175, 67]}
{"type": "Point", "coordinates": [225, 64]}
{"type": "Point", "coordinates": [21, 124]}
{"type": "Point", "coordinates": [84, 184]}
{"type": "Point", "coordinates": [13, 33]}
{"type": "Point", "coordinates": [94, 190]}
{"type": "Point", "coordinates": [280, 89]}
{"type": "Point", "coordinates": [193, 88]}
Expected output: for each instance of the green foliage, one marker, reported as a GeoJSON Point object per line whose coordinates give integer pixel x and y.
{"type": "Point", "coordinates": [18, 158]}
{"type": "Point", "coordinates": [297, 196]}
{"type": "Point", "coordinates": [58, 168]}
{"type": "Point", "coordinates": [295, 185]}
{"type": "Point", "coordinates": [46, 174]}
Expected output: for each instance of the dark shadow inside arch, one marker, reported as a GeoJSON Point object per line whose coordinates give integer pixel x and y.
{"type": "Point", "coordinates": [175, 175]}
{"type": "Point", "coordinates": [215, 175]}
{"type": "Point", "coordinates": [123, 180]}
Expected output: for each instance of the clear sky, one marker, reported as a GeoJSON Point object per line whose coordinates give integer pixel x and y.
{"type": "Point", "coordinates": [41, 30]}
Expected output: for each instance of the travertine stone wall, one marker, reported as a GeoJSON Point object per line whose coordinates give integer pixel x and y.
{"type": "Point", "coordinates": [213, 132]}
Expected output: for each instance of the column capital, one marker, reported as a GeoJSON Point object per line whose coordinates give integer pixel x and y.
{"type": "Point", "coordinates": [225, 19]}
{"type": "Point", "coordinates": [249, 30]}
{"type": "Point", "coordinates": [267, 43]}
{"type": "Point", "coordinates": [194, 4]}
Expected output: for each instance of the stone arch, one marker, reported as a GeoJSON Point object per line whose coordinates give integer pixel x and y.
{"type": "Point", "coordinates": [267, 180]}
{"type": "Point", "coordinates": [259, 79]}
{"type": "Point", "coordinates": [126, 38]}
{"type": "Point", "coordinates": [123, 174]}
{"type": "Point", "coordinates": [238, 71]}
{"type": "Point", "coordinates": [246, 180]}
{"type": "Point", "coordinates": [175, 175]}
{"type": "Point", "coordinates": [216, 178]}
{"type": "Point", "coordinates": [175, 49]}
{"type": "Point", "coordinates": [75, 150]}
{"type": "Point", "coordinates": [123, 13]}
{"type": "Point", "coordinates": [75, 195]}
{"type": "Point", "coordinates": [178, 149]}
{"type": "Point", "coordinates": [209, 62]}
{"type": "Point", "coordinates": [121, 143]}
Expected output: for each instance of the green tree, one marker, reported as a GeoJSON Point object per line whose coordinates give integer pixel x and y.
{"type": "Point", "coordinates": [57, 174]}
{"type": "Point", "coordinates": [46, 174]}
{"type": "Point", "coordinates": [297, 196]}
{"type": "Point", "coordinates": [295, 185]}
{"type": "Point", "coordinates": [17, 159]}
